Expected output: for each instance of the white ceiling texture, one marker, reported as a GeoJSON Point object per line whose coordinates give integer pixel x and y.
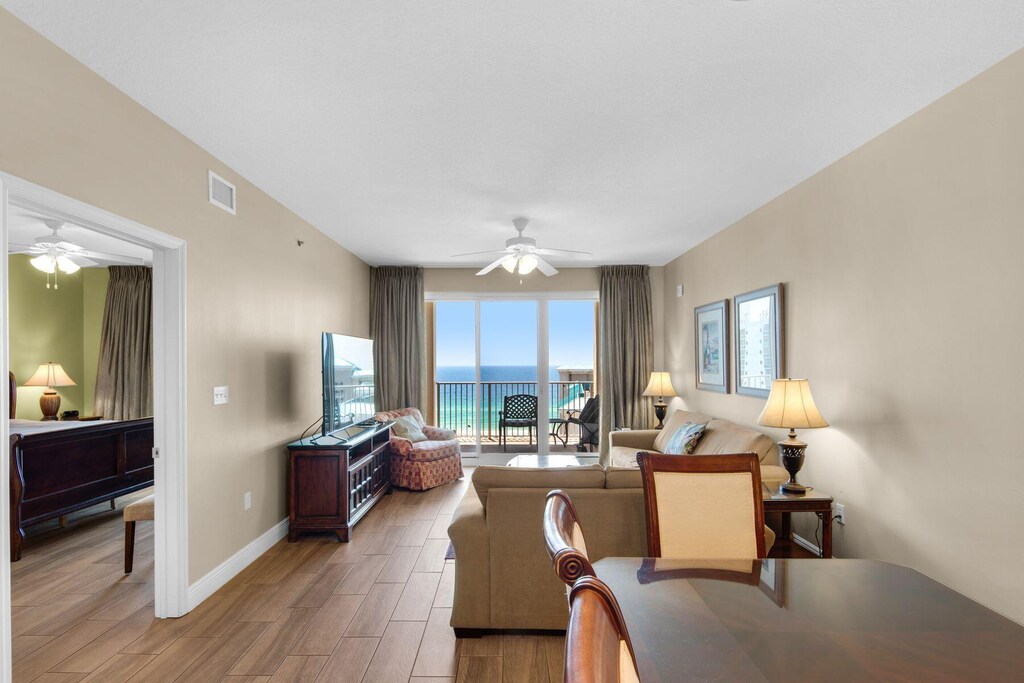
{"type": "Point", "coordinates": [409, 131]}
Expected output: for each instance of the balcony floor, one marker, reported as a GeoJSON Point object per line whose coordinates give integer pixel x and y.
{"type": "Point", "coordinates": [517, 445]}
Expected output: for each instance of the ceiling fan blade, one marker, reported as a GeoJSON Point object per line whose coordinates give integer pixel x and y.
{"type": "Point", "coordinates": [546, 268]}
{"type": "Point", "coordinates": [82, 262]}
{"type": "Point", "coordinates": [566, 252]}
{"type": "Point", "coordinates": [23, 248]}
{"type": "Point", "coordinates": [492, 266]}
{"type": "Point", "coordinates": [480, 253]}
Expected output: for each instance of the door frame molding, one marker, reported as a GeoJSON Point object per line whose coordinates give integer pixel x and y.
{"type": "Point", "coordinates": [169, 389]}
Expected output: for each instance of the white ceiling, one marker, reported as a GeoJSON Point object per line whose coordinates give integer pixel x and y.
{"type": "Point", "coordinates": [409, 131]}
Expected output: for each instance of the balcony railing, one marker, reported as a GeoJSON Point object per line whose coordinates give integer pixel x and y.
{"type": "Point", "coordinates": [456, 406]}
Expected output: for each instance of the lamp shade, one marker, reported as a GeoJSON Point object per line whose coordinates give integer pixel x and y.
{"type": "Point", "coordinates": [660, 385]}
{"type": "Point", "coordinates": [50, 375]}
{"type": "Point", "coordinates": [791, 406]}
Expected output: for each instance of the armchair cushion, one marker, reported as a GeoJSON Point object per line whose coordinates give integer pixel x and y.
{"type": "Point", "coordinates": [407, 427]}
{"type": "Point", "coordinates": [438, 434]}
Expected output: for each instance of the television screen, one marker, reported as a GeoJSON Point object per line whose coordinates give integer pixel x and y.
{"type": "Point", "coordinates": [348, 380]}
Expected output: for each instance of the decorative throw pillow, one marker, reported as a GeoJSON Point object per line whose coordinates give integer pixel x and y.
{"type": "Point", "coordinates": [684, 440]}
{"type": "Point", "coordinates": [407, 427]}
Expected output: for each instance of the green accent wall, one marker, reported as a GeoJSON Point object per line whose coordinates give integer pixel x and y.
{"type": "Point", "coordinates": [62, 325]}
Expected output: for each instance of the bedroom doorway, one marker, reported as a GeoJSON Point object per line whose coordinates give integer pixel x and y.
{"type": "Point", "coordinates": [20, 199]}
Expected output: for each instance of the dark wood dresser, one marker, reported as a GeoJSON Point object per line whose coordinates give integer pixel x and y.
{"type": "Point", "coordinates": [334, 480]}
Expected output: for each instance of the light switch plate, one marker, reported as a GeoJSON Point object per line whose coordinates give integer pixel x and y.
{"type": "Point", "coordinates": [247, 500]}
{"type": "Point", "coordinates": [220, 396]}
{"type": "Point", "coordinates": [679, 290]}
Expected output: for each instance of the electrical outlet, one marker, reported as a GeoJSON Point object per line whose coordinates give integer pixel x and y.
{"type": "Point", "coordinates": [247, 500]}
{"type": "Point", "coordinates": [220, 396]}
{"type": "Point", "coordinates": [840, 515]}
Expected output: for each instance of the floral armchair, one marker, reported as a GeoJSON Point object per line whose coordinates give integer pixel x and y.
{"type": "Point", "coordinates": [425, 464]}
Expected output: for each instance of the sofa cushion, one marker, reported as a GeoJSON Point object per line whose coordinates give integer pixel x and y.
{"type": "Point", "coordinates": [684, 440]}
{"type": "Point", "coordinates": [622, 456]}
{"type": "Point", "coordinates": [408, 427]}
{"type": "Point", "coordinates": [722, 436]}
{"type": "Point", "coordinates": [675, 421]}
{"type": "Point", "coordinates": [623, 478]}
{"type": "Point", "coordinates": [487, 477]}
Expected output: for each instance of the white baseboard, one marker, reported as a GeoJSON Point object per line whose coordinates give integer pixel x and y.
{"type": "Point", "coordinates": [806, 545]}
{"type": "Point", "coordinates": [229, 568]}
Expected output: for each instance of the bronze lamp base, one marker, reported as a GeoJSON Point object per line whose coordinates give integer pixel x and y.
{"type": "Point", "coordinates": [49, 403]}
{"type": "Point", "coordinates": [659, 412]}
{"type": "Point", "coordinates": [792, 451]}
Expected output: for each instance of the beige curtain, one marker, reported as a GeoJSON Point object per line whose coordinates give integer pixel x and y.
{"type": "Point", "coordinates": [626, 349]}
{"type": "Point", "coordinates": [124, 378]}
{"type": "Point", "coordinates": [397, 329]}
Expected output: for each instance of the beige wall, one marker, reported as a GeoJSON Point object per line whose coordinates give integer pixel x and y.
{"type": "Point", "coordinates": [256, 301]}
{"type": "Point", "coordinates": [902, 265]}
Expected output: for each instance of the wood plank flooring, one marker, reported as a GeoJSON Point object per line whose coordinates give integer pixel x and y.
{"type": "Point", "coordinates": [374, 609]}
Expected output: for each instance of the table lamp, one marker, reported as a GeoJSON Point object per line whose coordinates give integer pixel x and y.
{"type": "Point", "coordinates": [49, 375]}
{"type": "Point", "coordinates": [791, 406]}
{"type": "Point", "coordinates": [660, 386]}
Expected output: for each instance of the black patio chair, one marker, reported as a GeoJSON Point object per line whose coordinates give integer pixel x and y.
{"type": "Point", "coordinates": [587, 420]}
{"type": "Point", "coordinates": [519, 410]}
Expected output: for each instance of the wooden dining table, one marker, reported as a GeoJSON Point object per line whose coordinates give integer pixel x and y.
{"type": "Point", "coordinates": [806, 620]}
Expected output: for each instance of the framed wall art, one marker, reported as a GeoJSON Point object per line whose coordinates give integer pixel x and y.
{"type": "Point", "coordinates": [758, 321]}
{"type": "Point", "coordinates": [711, 325]}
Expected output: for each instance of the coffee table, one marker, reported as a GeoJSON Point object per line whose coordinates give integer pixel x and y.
{"type": "Point", "coordinates": [545, 461]}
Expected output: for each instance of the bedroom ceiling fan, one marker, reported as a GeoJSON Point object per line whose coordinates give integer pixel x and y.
{"type": "Point", "coordinates": [53, 253]}
{"type": "Point", "coordinates": [522, 255]}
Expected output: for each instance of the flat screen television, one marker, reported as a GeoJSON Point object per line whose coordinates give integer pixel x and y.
{"type": "Point", "coordinates": [348, 380]}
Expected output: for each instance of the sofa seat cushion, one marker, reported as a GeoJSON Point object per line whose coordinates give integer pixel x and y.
{"type": "Point", "coordinates": [623, 478]}
{"type": "Point", "coordinates": [486, 477]}
{"type": "Point", "coordinates": [622, 456]}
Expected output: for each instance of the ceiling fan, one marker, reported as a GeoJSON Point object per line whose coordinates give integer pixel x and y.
{"type": "Point", "coordinates": [522, 255]}
{"type": "Point", "coordinates": [54, 253]}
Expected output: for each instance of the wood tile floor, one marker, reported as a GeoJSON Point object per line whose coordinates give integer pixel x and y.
{"type": "Point", "coordinates": [375, 609]}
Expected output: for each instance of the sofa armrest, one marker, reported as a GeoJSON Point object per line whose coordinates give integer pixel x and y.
{"type": "Point", "coordinates": [471, 538]}
{"type": "Point", "coordinates": [640, 439]}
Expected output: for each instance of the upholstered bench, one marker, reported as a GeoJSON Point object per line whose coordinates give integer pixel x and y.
{"type": "Point", "coordinates": [140, 510]}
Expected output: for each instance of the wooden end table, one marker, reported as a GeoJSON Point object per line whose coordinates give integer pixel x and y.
{"type": "Point", "coordinates": [786, 503]}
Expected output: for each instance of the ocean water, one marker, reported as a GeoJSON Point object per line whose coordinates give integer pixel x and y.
{"type": "Point", "coordinates": [456, 403]}
{"type": "Point", "coordinates": [492, 373]}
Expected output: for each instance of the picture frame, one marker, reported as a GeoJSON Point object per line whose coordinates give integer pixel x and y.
{"type": "Point", "coordinates": [711, 346]}
{"type": "Point", "coordinates": [758, 338]}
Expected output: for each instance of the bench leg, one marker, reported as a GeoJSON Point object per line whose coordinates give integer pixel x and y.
{"type": "Point", "coordinates": [62, 521]}
{"type": "Point", "coordinates": [129, 546]}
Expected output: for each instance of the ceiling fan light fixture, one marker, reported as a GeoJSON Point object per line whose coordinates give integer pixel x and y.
{"type": "Point", "coordinates": [44, 262]}
{"type": "Point", "coordinates": [66, 265]}
{"type": "Point", "coordinates": [509, 263]}
{"type": "Point", "coordinates": [527, 263]}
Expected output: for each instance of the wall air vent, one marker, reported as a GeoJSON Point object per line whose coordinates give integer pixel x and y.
{"type": "Point", "coordinates": [222, 193]}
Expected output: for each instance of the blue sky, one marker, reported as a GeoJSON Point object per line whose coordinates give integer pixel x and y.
{"type": "Point", "coordinates": [508, 332]}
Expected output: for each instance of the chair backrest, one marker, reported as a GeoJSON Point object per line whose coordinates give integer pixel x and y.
{"type": "Point", "coordinates": [591, 410]}
{"type": "Point", "coordinates": [385, 415]}
{"type": "Point", "coordinates": [597, 645]}
{"type": "Point", "coordinates": [520, 407]}
{"type": "Point", "coordinates": [707, 506]}
{"type": "Point", "coordinates": [13, 393]}
{"type": "Point", "coordinates": [564, 538]}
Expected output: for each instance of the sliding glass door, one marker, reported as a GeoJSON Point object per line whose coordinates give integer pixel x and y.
{"type": "Point", "coordinates": [509, 372]}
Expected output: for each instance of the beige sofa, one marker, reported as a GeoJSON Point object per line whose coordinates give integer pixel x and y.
{"type": "Point", "coordinates": [503, 576]}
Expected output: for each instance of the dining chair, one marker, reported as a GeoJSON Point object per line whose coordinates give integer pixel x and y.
{"type": "Point", "coordinates": [707, 506]}
{"type": "Point", "coordinates": [564, 538]}
{"type": "Point", "coordinates": [597, 644]}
